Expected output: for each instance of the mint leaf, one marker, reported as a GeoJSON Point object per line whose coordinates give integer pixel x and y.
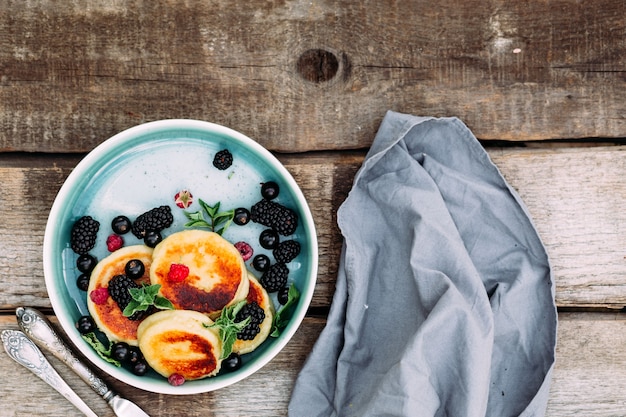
{"type": "Point", "coordinates": [144, 297]}
{"type": "Point", "coordinates": [283, 315]}
{"type": "Point", "coordinates": [101, 350]}
{"type": "Point", "coordinates": [228, 328]}
{"type": "Point", "coordinates": [218, 221]}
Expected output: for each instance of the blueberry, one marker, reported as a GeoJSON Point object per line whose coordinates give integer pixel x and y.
{"type": "Point", "coordinates": [134, 269]}
{"type": "Point", "coordinates": [152, 239]}
{"type": "Point", "coordinates": [232, 362]}
{"type": "Point", "coordinates": [82, 282]}
{"type": "Point", "coordinates": [86, 263]}
{"type": "Point", "coordinates": [283, 295]}
{"type": "Point", "coordinates": [269, 239]}
{"type": "Point", "coordinates": [140, 367]}
{"type": "Point", "coordinates": [120, 351]}
{"type": "Point", "coordinates": [261, 262]}
{"type": "Point", "coordinates": [121, 225]}
{"type": "Point", "coordinates": [269, 190]}
{"type": "Point", "coordinates": [242, 216]}
{"type": "Point", "coordinates": [85, 324]}
{"type": "Point", "coordinates": [134, 355]}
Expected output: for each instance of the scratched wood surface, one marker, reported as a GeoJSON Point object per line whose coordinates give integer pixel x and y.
{"type": "Point", "coordinates": [311, 81]}
{"type": "Point", "coordinates": [309, 75]}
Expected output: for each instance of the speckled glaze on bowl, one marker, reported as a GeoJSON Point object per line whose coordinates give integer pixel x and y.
{"type": "Point", "coordinates": [143, 167]}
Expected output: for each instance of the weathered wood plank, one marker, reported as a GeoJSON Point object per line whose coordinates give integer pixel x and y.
{"type": "Point", "coordinates": [73, 74]}
{"type": "Point", "coordinates": [577, 198]}
{"type": "Point", "coordinates": [589, 379]}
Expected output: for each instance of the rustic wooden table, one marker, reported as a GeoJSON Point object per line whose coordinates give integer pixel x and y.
{"type": "Point", "coordinates": [541, 84]}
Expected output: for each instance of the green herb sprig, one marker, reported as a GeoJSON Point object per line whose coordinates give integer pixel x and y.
{"type": "Point", "coordinates": [283, 315]}
{"type": "Point", "coordinates": [228, 328]}
{"type": "Point", "coordinates": [101, 350]}
{"type": "Point", "coordinates": [144, 297]}
{"type": "Point", "coordinates": [218, 220]}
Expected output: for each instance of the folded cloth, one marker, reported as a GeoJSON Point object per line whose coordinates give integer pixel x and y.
{"type": "Point", "coordinates": [444, 304]}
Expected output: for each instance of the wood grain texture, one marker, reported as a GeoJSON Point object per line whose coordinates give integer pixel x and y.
{"type": "Point", "coordinates": [74, 73]}
{"type": "Point", "coordinates": [576, 197]}
{"type": "Point", "coordinates": [589, 378]}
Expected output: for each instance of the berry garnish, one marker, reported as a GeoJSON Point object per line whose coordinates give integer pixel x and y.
{"type": "Point", "coordinates": [114, 242]}
{"type": "Point", "coordinates": [119, 290]}
{"type": "Point", "coordinates": [121, 225]}
{"type": "Point", "coordinates": [256, 314]}
{"type": "Point", "coordinates": [82, 282]}
{"type": "Point", "coordinates": [286, 251]}
{"type": "Point", "coordinates": [183, 199]}
{"type": "Point", "coordinates": [99, 295]}
{"type": "Point", "coordinates": [86, 263]}
{"type": "Point", "coordinates": [153, 220]}
{"type": "Point", "coordinates": [134, 269]}
{"type": "Point", "coordinates": [178, 272]}
{"type": "Point", "coordinates": [261, 262]}
{"type": "Point", "coordinates": [85, 324]}
{"type": "Point", "coordinates": [83, 235]}
{"type": "Point", "coordinates": [280, 218]}
{"type": "Point", "coordinates": [176, 380]}
{"type": "Point", "coordinates": [152, 239]}
{"type": "Point", "coordinates": [275, 277]}
{"type": "Point", "coordinates": [242, 216]}
{"type": "Point", "coordinates": [269, 190]}
{"type": "Point", "coordinates": [268, 239]}
{"type": "Point", "coordinates": [120, 351]}
{"type": "Point", "coordinates": [223, 159]}
{"type": "Point", "coordinates": [232, 362]}
{"type": "Point", "coordinates": [134, 355]}
{"type": "Point", "coordinates": [140, 367]}
{"type": "Point", "coordinates": [283, 295]}
{"type": "Point", "coordinates": [245, 250]}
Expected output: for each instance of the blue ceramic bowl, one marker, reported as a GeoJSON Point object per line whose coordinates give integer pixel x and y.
{"type": "Point", "coordinates": [144, 167]}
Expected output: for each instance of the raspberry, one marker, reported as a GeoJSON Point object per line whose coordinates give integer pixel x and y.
{"type": "Point", "coordinates": [114, 242]}
{"type": "Point", "coordinates": [286, 251]}
{"type": "Point", "coordinates": [177, 272]}
{"type": "Point", "coordinates": [176, 380]}
{"type": "Point", "coordinates": [183, 199]}
{"type": "Point", "coordinates": [83, 235]}
{"type": "Point", "coordinates": [245, 250]}
{"type": "Point", "coordinates": [99, 295]}
{"type": "Point", "coordinates": [153, 220]}
{"type": "Point", "coordinates": [119, 290]}
{"type": "Point", "coordinates": [223, 159]}
{"type": "Point", "coordinates": [280, 218]}
{"type": "Point", "coordinates": [256, 314]}
{"type": "Point", "coordinates": [275, 277]}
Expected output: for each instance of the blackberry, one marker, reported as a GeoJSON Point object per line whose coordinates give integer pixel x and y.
{"type": "Point", "coordinates": [256, 314]}
{"type": "Point", "coordinates": [83, 236]}
{"type": "Point", "coordinates": [119, 287]}
{"type": "Point", "coordinates": [275, 277]}
{"type": "Point", "coordinates": [223, 159]}
{"type": "Point", "coordinates": [286, 251]}
{"type": "Point", "coordinates": [271, 214]}
{"type": "Point", "coordinates": [153, 220]}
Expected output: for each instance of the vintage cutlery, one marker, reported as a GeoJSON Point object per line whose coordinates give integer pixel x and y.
{"type": "Point", "coordinates": [37, 327]}
{"type": "Point", "coordinates": [23, 351]}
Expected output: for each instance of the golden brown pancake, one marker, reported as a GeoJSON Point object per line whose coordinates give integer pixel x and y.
{"type": "Point", "coordinates": [108, 316]}
{"type": "Point", "coordinates": [178, 341]}
{"type": "Point", "coordinates": [257, 294]}
{"type": "Point", "coordinates": [217, 273]}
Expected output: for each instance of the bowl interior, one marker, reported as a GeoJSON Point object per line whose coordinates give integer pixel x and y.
{"type": "Point", "coordinates": [144, 167]}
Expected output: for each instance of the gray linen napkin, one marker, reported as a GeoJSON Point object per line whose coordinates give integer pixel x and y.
{"type": "Point", "coordinates": [444, 304]}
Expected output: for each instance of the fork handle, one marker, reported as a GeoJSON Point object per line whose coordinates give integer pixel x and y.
{"type": "Point", "coordinates": [38, 328]}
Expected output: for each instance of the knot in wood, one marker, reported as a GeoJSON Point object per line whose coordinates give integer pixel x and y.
{"type": "Point", "coordinates": [317, 65]}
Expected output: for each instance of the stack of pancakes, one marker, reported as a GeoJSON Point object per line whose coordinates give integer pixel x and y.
{"type": "Point", "coordinates": [178, 341]}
